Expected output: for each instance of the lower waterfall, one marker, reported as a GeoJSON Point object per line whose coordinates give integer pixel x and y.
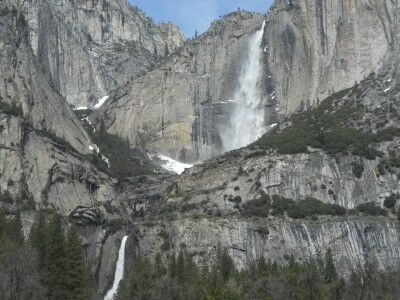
{"type": "Point", "coordinates": [119, 271]}
{"type": "Point", "coordinates": [246, 121]}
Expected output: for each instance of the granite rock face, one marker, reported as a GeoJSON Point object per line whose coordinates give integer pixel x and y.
{"type": "Point", "coordinates": [311, 49]}
{"type": "Point", "coordinates": [87, 48]}
{"type": "Point", "coordinates": [208, 204]}
{"type": "Point", "coordinates": [175, 108]}
{"type": "Point", "coordinates": [315, 48]}
{"type": "Point", "coordinates": [206, 209]}
{"type": "Point", "coordinates": [44, 148]}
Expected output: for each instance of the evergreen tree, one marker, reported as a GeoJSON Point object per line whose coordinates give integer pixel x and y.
{"type": "Point", "coordinates": [3, 224]}
{"type": "Point", "coordinates": [227, 265]}
{"type": "Point", "coordinates": [180, 267]}
{"type": "Point", "coordinates": [54, 277]}
{"type": "Point", "coordinates": [172, 266]}
{"type": "Point", "coordinates": [76, 280]}
{"type": "Point", "coordinates": [330, 273]}
{"type": "Point", "coordinates": [15, 230]}
{"type": "Point", "coordinates": [158, 266]}
{"type": "Point", "coordinates": [37, 237]}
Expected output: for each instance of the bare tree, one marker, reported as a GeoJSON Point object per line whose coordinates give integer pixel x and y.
{"type": "Point", "coordinates": [19, 277]}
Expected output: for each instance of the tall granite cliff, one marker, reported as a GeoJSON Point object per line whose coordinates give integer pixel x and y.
{"type": "Point", "coordinates": [44, 150]}
{"type": "Point", "coordinates": [316, 48]}
{"type": "Point", "coordinates": [311, 49]}
{"type": "Point", "coordinates": [87, 48]}
{"type": "Point", "coordinates": [176, 107]}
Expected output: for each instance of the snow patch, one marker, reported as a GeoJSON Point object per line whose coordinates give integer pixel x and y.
{"type": "Point", "coordinates": [106, 160]}
{"type": "Point", "coordinates": [101, 102]}
{"type": "Point", "coordinates": [94, 147]}
{"type": "Point", "coordinates": [387, 90]}
{"type": "Point", "coordinates": [81, 108]}
{"type": "Point", "coordinates": [170, 164]}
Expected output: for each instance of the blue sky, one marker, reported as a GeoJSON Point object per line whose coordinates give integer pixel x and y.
{"type": "Point", "coordinates": [190, 15]}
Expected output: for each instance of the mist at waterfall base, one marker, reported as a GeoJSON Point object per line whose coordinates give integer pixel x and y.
{"type": "Point", "coordinates": [119, 271]}
{"type": "Point", "coordinates": [246, 121]}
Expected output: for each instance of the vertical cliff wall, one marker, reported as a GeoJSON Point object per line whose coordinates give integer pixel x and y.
{"type": "Point", "coordinates": [176, 108]}
{"type": "Point", "coordinates": [87, 48]}
{"type": "Point", "coordinates": [315, 48]}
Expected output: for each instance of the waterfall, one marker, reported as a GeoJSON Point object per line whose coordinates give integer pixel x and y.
{"type": "Point", "coordinates": [246, 121]}
{"type": "Point", "coordinates": [119, 271]}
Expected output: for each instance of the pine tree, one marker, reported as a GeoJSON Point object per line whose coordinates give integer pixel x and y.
{"type": "Point", "coordinates": [76, 271]}
{"type": "Point", "coordinates": [159, 268]}
{"type": "Point", "coordinates": [172, 266]}
{"type": "Point", "coordinates": [226, 264]}
{"type": "Point", "coordinates": [15, 230]}
{"type": "Point", "coordinates": [180, 267]}
{"type": "Point", "coordinates": [3, 224]}
{"type": "Point", "coordinates": [330, 269]}
{"type": "Point", "coordinates": [37, 237]}
{"type": "Point", "coordinates": [54, 277]}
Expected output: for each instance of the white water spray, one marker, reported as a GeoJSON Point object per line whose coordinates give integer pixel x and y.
{"type": "Point", "coordinates": [246, 123]}
{"type": "Point", "coordinates": [119, 271]}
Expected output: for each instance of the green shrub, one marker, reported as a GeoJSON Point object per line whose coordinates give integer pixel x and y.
{"type": "Point", "coordinates": [391, 200]}
{"type": "Point", "coordinates": [311, 207]}
{"type": "Point", "coordinates": [389, 163]}
{"type": "Point", "coordinates": [110, 208]}
{"type": "Point", "coordinates": [124, 161]}
{"type": "Point", "coordinates": [372, 209]}
{"type": "Point", "coordinates": [188, 207]}
{"type": "Point", "coordinates": [280, 205]}
{"type": "Point", "coordinates": [358, 168]}
{"type": "Point", "coordinates": [6, 198]}
{"type": "Point", "coordinates": [166, 245]}
{"type": "Point", "coordinates": [330, 128]}
{"type": "Point", "coordinates": [257, 207]}
{"type": "Point", "coordinates": [14, 109]}
{"type": "Point", "coordinates": [60, 141]}
{"type": "Point", "coordinates": [236, 199]}
{"type": "Point", "coordinates": [115, 225]}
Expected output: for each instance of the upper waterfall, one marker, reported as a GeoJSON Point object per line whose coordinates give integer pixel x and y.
{"type": "Point", "coordinates": [246, 121]}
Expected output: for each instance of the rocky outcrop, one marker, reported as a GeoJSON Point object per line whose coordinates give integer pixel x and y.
{"type": "Point", "coordinates": [87, 48]}
{"type": "Point", "coordinates": [315, 48]}
{"type": "Point", "coordinates": [355, 242]}
{"type": "Point", "coordinates": [175, 109]}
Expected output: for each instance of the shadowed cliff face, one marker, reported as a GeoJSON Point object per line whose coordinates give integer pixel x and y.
{"type": "Point", "coordinates": [87, 48]}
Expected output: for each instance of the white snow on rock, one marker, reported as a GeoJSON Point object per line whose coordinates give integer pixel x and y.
{"type": "Point", "coordinates": [101, 102]}
{"type": "Point", "coordinates": [94, 147]}
{"type": "Point", "coordinates": [106, 160]}
{"type": "Point", "coordinates": [170, 164]}
{"type": "Point", "coordinates": [81, 108]}
{"type": "Point", "coordinates": [387, 90]}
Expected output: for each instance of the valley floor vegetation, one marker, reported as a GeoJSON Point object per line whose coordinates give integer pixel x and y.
{"type": "Point", "coordinates": [171, 277]}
